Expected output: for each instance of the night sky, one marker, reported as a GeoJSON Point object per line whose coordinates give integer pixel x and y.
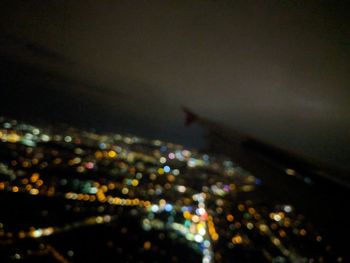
{"type": "Point", "coordinates": [277, 70]}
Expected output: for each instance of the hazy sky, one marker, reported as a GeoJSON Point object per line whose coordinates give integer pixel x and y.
{"type": "Point", "coordinates": [278, 70]}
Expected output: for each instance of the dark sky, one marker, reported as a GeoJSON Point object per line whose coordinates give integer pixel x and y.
{"type": "Point", "coordinates": [278, 70]}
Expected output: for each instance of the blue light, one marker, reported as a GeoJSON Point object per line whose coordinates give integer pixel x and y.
{"type": "Point", "coordinates": [307, 180]}
{"type": "Point", "coordinates": [166, 169]}
{"type": "Point", "coordinates": [102, 146]}
{"type": "Point", "coordinates": [168, 207]}
{"type": "Point", "coordinates": [206, 158]}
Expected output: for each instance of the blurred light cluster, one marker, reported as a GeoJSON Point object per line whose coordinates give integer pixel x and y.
{"type": "Point", "coordinates": [206, 200]}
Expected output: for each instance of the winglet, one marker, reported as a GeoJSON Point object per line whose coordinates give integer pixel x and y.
{"type": "Point", "coordinates": [190, 116]}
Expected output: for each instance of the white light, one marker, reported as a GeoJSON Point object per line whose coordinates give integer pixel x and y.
{"type": "Point", "coordinates": [287, 208]}
{"type": "Point", "coordinates": [200, 211]}
{"type": "Point", "coordinates": [45, 138]}
{"type": "Point", "coordinates": [107, 218]}
{"type": "Point", "coordinates": [67, 139]}
{"type": "Point", "coordinates": [198, 238]}
{"type": "Point", "coordinates": [207, 243]}
{"type": "Point", "coordinates": [36, 131]}
{"type": "Point", "coordinates": [206, 252]}
{"type": "Point", "coordinates": [191, 162]}
{"type": "Point", "coordinates": [155, 208]}
{"type": "Point", "coordinates": [37, 233]}
{"type": "Point", "coordinates": [277, 217]}
{"type": "Point", "coordinates": [202, 231]}
{"type": "Point", "coordinates": [93, 190]}
{"type": "Point", "coordinates": [181, 188]}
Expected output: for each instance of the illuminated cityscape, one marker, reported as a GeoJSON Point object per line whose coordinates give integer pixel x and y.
{"type": "Point", "coordinates": [70, 195]}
